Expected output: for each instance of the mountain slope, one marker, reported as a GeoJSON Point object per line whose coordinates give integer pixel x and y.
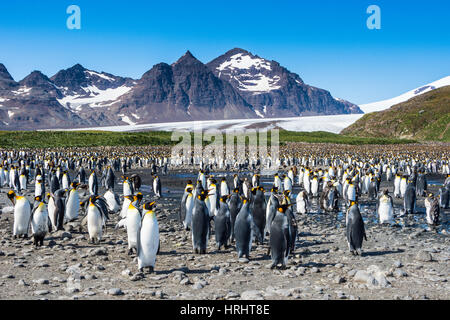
{"type": "Point", "coordinates": [185, 90]}
{"type": "Point", "coordinates": [385, 104]}
{"type": "Point", "coordinates": [273, 90]}
{"type": "Point", "coordinates": [425, 117]}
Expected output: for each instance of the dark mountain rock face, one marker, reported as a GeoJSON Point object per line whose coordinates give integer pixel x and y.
{"type": "Point", "coordinates": [185, 90]}
{"type": "Point", "coordinates": [272, 89]}
{"type": "Point", "coordinates": [236, 85]}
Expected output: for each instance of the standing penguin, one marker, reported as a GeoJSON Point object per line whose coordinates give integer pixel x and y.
{"type": "Point", "coordinates": [421, 184]}
{"type": "Point", "coordinates": [258, 210]}
{"type": "Point", "coordinates": [22, 214]}
{"type": "Point", "coordinates": [72, 203]}
{"type": "Point", "coordinates": [110, 178]}
{"type": "Point", "coordinates": [157, 186]}
{"type": "Point", "coordinates": [112, 200]}
{"type": "Point", "coordinates": [93, 184]}
{"type": "Point", "coordinates": [97, 213]}
{"type": "Point", "coordinates": [127, 187]}
{"type": "Point", "coordinates": [271, 208]}
{"type": "Point", "coordinates": [39, 187]}
{"type": "Point", "coordinates": [81, 175]}
{"type": "Point", "coordinates": [222, 224]}
{"type": "Point", "coordinates": [60, 208]}
{"type": "Point", "coordinates": [188, 209]}
{"type": "Point", "coordinates": [148, 239]}
{"type": "Point", "coordinates": [355, 229]}
{"type": "Point", "coordinates": [302, 202]}
{"type": "Point", "coordinates": [200, 224]}
{"type": "Point", "coordinates": [133, 226]}
{"type": "Point", "coordinates": [39, 221]}
{"type": "Point", "coordinates": [279, 239]}
{"type": "Point", "coordinates": [409, 199]}
{"type": "Point", "coordinates": [224, 190]}
{"type": "Point", "coordinates": [235, 205]}
{"type": "Point", "coordinates": [243, 230]}
{"type": "Point", "coordinates": [432, 210]}
{"type": "Point", "coordinates": [397, 181]}
{"type": "Point", "coordinates": [385, 208]}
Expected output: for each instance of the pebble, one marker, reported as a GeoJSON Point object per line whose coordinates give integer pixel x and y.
{"type": "Point", "coordinates": [424, 256]}
{"type": "Point", "coordinates": [41, 292]}
{"type": "Point", "coordinates": [252, 295]}
{"type": "Point", "coordinates": [41, 281]}
{"type": "Point", "coordinates": [115, 292]}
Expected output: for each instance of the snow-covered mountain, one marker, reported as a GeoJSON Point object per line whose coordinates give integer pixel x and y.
{"type": "Point", "coordinates": [273, 90]}
{"type": "Point", "coordinates": [236, 85]}
{"type": "Point", "coordinates": [386, 104]}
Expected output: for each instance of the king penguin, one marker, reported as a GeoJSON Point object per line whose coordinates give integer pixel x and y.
{"type": "Point", "coordinates": [22, 214]}
{"type": "Point", "coordinates": [432, 210]}
{"type": "Point", "coordinates": [258, 210]}
{"type": "Point", "coordinates": [133, 226]}
{"type": "Point", "coordinates": [234, 204]}
{"type": "Point", "coordinates": [302, 202]}
{"type": "Point", "coordinates": [127, 187]}
{"type": "Point", "coordinates": [148, 239]}
{"type": "Point", "coordinates": [157, 186]}
{"type": "Point", "coordinates": [243, 231]}
{"type": "Point", "coordinates": [97, 213]}
{"type": "Point", "coordinates": [72, 202]}
{"type": "Point", "coordinates": [222, 224]}
{"type": "Point", "coordinates": [93, 184]}
{"type": "Point", "coordinates": [385, 208]}
{"type": "Point", "coordinates": [279, 239]}
{"type": "Point", "coordinates": [355, 229]}
{"type": "Point", "coordinates": [39, 221]}
{"type": "Point", "coordinates": [409, 198]}
{"type": "Point", "coordinates": [200, 224]}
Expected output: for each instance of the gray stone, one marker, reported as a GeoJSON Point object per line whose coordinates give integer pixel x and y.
{"type": "Point", "coordinates": [102, 251]}
{"type": "Point", "coordinates": [197, 286]}
{"type": "Point", "coordinates": [424, 256]}
{"type": "Point", "coordinates": [399, 273]}
{"type": "Point", "coordinates": [115, 292]}
{"type": "Point", "coordinates": [41, 292]}
{"type": "Point", "coordinates": [41, 281]}
{"type": "Point", "coordinates": [252, 295]}
{"type": "Point", "coordinates": [398, 264]}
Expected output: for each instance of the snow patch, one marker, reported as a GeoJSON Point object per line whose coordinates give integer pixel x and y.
{"type": "Point", "coordinates": [259, 114]}
{"type": "Point", "coordinates": [97, 98]}
{"type": "Point", "coordinates": [244, 61]}
{"type": "Point", "coordinates": [126, 119]}
{"type": "Point", "coordinates": [10, 114]}
{"type": "Point", "coordinates": [386, 104]}
{"type": "Point", "coordinates": [22, 90]}
{"type": "Point", "coordinates": [93, 73]}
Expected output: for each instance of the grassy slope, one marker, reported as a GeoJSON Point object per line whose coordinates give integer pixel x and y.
{"type": "Point", "coordinates": [49, 139]}
{"type": "Point", "coordinates": [426, 117]}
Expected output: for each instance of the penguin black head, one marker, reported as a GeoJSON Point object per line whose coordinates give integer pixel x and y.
{"type": "Point", "coordinates": [274, 189]}
{"type": "Point", "coordinates": [286, 192]}
{"type": "Point", "coordinates": [74, 184]}
{"type": "Point", "coordinates": [189, 190]}
{"type": "Point", "coordinates": [236, 190]}
{"type": "Point", "coordinates": [261, 189]}
{"type": "Point", "coordinates": [223, 198]}
{"type": "Point", "coordinates": [386, 191]}
{"type": "Point", "coordinates": [254, 190]}
{"type": "Point", "coordinates": [189, 182]}
{"type": "Point", "coordinates": [202, 196]}
{"type": "Point", "coordinates": [283, 208]}
{"type": "Point", "coordinates": [149, 205]}
{"type": "Point", "coordinates": [11, 195]}
{"type": "Point", "coordinates": [38, 198]}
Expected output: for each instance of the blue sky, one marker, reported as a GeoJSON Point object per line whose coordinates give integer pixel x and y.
{"type": "Point", "coordinates": [326, 42]}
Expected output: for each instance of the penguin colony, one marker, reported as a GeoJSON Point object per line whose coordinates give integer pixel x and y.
{"type": "Point", "coordinates": [235, 207]}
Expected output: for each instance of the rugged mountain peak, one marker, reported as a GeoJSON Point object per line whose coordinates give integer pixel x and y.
{"type": "Point", "coordinates": [35, 78]}
{"type": "Point", "coordinates": [187, 59]}
{"type": "Point", "coordinates": [6, 81]}
{"type": "Point", "coordinates": [4, 74]}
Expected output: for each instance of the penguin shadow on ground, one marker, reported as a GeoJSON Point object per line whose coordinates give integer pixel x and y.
{"type": "Point", "coordinates": [185, 270]}
{"type": "Point", "coordinates": [317, 264]}
{"type": "Point", "coordinates": [379, 253]}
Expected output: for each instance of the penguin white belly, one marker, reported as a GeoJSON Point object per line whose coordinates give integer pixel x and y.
{"type": "Point", "coordinates": [397, 187]}
{"type": "Point", "coordinates": [126, 189]}
{"type": "Point", "coordinates": [39, 225]}
{"type": "Point", "coordinates": [403, 188]}
{"type": "Point", "coordinates": [22, 214]}
{"type": "Point", "coordinates": [148, 243]}
{"type": "Point", "coordinates": [125, 205]}
{"type": "Point", "coordinates": [95, 223]}
{"type": "Point", "coordinates": [72, 206]}
{"type": "Point", "coordinates": [385, 212]}
{"type": "Point", "coordinates": [91, 184]}
{"type": "Point", "coordinates": [23, 182]}
{"type": "Point", "coordinates": [212, 205]}
{"type": "Point", "coordinates": [111, 201]}
{"type": "Point", "coordinates": [65, 182]}
{"type": "Point", "coordinates": [38, 189]}
{"type": "Point", "coordinates": [189, 207]}
{"type": "Point", "coordinates": [301, 205]}
{"type": "Point", "coordinates": [133, 227]}
{"type": "Point", "coordinates": [51, 212]}
{"type": "Point", "coordinates": [315, 187]}
{"type": "Point", "coordinates": [307, 185]}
